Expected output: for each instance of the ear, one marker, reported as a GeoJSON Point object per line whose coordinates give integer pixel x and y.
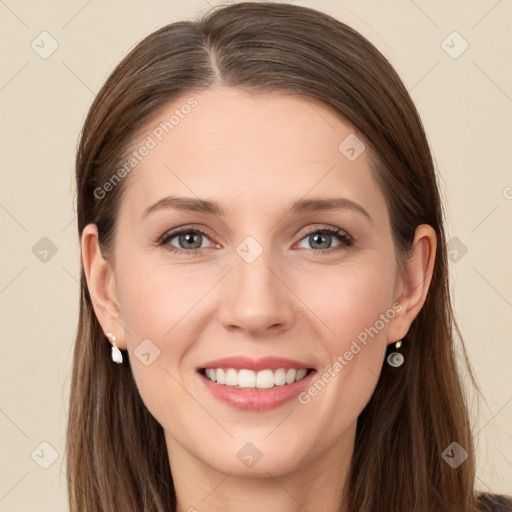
{"type": "Point", "coordinates": [101, 284]}
{"type": "Point", "coordinates": [413, 281]}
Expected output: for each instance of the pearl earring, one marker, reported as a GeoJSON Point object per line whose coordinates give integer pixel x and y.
{"type": "Point", "coordinates": [117, 356]}
{"type": "Point", "coordinates": [396, 359]}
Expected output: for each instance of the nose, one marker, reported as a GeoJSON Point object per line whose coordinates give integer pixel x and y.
{"type": "Point", "coordinates": [257, 301]}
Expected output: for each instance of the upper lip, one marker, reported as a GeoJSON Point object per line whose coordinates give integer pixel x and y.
{"type": "Point", "coordinates": [262, 363]}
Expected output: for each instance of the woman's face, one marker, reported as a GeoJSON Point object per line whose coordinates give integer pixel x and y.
{"type": "Point", "coordinates": [258, 278]}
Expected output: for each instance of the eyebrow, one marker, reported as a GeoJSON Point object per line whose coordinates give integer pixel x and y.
{"type": "Point", "coordinates": [212, 207]}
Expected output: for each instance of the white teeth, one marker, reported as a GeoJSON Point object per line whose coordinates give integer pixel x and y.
{"type": "Point", "coordinates": [280, 377]}
{"type": "Point", "coordinates": [290, 376]}
{"type": "Point", "coordinates": [231, 377]}
{"type": "Point", "coordinates": [211, 374]}
{"type": "Point", "coordinates": [301, 374]}
{"type": "Point", "coordinates": [264, 379]}
{"type": "Point", "coordinates": [246, 379]}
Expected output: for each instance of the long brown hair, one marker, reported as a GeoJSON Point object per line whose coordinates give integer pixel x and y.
{"type": "Point", "coordinates": [116, 456]}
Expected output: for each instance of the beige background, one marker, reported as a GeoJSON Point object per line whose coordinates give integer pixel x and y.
{"type": "Point", "coordinates": [466, 106]}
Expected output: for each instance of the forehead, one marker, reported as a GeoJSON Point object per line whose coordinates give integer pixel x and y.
{"type": "Point", "coordinates": [247, 149]}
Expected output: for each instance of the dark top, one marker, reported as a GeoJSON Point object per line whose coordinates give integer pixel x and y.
{"type": "Point", "coordinates": [494, 503]}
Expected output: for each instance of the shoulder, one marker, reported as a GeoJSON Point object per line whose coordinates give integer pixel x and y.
{"type": "Point", "coordinates": [487, 502]}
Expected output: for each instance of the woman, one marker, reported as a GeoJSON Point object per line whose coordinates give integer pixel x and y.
{"type": "Point", "coordinates": [255, 369]}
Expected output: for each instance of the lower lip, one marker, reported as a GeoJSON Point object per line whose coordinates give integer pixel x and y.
{"type": "Point", "coordinates": [257, 399]}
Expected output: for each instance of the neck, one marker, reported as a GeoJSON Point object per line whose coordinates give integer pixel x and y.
{"type": "Point", "coordinates": [315, 486]}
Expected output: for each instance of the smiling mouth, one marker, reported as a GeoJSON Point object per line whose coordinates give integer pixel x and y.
{"type": "Point", "coordinates": [249, 379]}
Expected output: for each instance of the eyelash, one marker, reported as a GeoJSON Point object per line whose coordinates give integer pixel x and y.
{"type": "Point", "coordinates": [345, 239]}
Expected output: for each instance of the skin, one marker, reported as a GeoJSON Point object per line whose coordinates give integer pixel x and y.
{"type": "Point", "coordinates": [255, 155]}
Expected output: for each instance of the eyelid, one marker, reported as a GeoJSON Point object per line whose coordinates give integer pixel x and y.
{"type": "Point", "coordinates": [189, 227]}
{"type": "Point", "coordinates": [174, 232]}
{"type": "Point", "coordinates": [346, 239]}
{"type": "Point", "coordinates": [324, 227]}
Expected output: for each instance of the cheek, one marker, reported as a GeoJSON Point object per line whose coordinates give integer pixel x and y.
{"type": "Point", "coordinates": [157, 307]}
{"type": "Point", "coordinates": [157, 300]}
{"type": "Point", "coordinates": [162, 310]}
{"type": "Point", "coordinates": [355, 311]}
{"type": "Point", "coordinates": [350, 302]}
